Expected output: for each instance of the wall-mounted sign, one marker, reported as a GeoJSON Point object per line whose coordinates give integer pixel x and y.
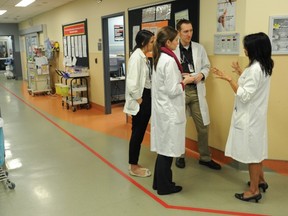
{"type": "Point", "coordinates": [75, 29]}
{"type": "Point", "coordinates": [226, 44]}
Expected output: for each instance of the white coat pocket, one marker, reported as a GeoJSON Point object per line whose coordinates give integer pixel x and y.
{"type": "Point", "coordinates": [180, 114]}
{"type": "Point", "coordinates": [177, 109]}
{"type": "Point", "coordinates": [240, 120]}
{"type": "Point", "coordinates": [132, 107]}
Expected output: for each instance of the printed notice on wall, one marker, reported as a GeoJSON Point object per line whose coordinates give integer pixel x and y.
{"type": "Point", "coordinates": [226, 44]}
{"type": "Point", "coordinates": [84, 45]}
{"type": "Point", "coordinates": [135, 31]}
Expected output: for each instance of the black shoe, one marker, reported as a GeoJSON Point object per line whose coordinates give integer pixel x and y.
{"type": "Point", "coordinates": [180, 162]}
{"type": "Point", "coordinates": [211, 164]}
{"type": "Point", "coordinates": [174, 189]}
{"type": "Point", "coordinates": [154, 187]}
{"type": "Point", "coordinates": [264, 186]}
{"type": "Point", "coordinates": [255, 197]}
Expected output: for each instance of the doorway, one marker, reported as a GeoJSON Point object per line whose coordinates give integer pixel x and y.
{"type": "Point", "coordinates": [6, 56]}
{"type": "Point", "coordinates": [114, 49]}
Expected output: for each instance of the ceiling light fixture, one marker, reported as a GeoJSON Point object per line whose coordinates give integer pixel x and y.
{"type": "Point", "coordinates": [24, 3]}
{"type": "Point", "coordinates": [2, 12]}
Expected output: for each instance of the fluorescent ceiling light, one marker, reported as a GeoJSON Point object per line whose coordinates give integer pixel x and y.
{"type": "Point", "coordinates": [2, 12]}
{"type": "Point", "coordinates": [24, 3]}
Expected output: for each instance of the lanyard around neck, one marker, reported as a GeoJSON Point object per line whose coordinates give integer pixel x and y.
{"type": "Point", "coordinates": [184, 58]}
{"type": "Point", "coordinates": [149, 68]}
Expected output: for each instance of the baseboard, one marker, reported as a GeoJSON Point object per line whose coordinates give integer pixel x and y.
{"type": "Point", "coordinates": [278, 166]}
{"type": "Point", "coordinates": [98, 107]}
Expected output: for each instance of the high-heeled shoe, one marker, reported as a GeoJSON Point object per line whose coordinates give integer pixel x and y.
{"type": "Point", "coordinates": [264, 186]}
{"type": "Point", "coordinates": [256, 197]}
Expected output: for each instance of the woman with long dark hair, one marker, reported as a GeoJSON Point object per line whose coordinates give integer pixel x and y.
{"type": "Point", "coordinates": [138, 98]}
{"type": "Point", "coordinates": [247, 141]}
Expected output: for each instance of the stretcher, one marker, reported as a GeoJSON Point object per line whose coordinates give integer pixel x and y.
{"type": "Point", "coordinates": [3, 171]}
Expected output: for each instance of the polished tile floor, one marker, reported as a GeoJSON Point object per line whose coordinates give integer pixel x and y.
{"type": "Point", "coordinates": [68, 163]}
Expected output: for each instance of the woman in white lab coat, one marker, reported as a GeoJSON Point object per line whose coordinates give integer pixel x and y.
{"type": "Point", "coordinates": [247, 140]}
{"type": "Point", "coordinates": [168, 117]}
{"type": "Point", "coordinates": [138, 98]}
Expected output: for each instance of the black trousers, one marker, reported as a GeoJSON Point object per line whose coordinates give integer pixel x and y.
{"type": "Point", "coordinates": [139, 125]}
{"type": "Point", "coordinates": [162, 181]}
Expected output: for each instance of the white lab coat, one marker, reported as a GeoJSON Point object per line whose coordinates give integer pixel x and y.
{"type": "Point", "coordinates": [247, 139]}
{"type": "Point", "coordinates": [135, 81]}
{"type": "Point", "coordinates": [168, 119]}
{"type": "Point", "coordinates": [202, 65]}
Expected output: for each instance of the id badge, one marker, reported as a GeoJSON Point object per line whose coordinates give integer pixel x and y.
{"type": "Point", "coordinates": [191, 68]}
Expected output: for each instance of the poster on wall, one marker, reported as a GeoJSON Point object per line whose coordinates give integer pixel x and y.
{"type": "Point", "coordinates": [181, 15]}
{"type": "Point", "coordinates": [154, 26]}
{"type": "Point", "coordinates": [226, 15]}
{"type": "Point", "coordinates": [118, 33]}
{"type": "Point", "coordinates": [163, 12]}
{"type": "Point", "coordinates": [278, 33]}
{"type": "Point", "coordinates": [148, 14]}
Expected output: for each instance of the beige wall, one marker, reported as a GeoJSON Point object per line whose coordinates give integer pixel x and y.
{"type": "Point", "coordinates": [251, 16]}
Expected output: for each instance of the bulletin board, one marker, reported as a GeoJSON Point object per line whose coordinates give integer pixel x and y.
{"type": "Point", "coordinates": [160, 13]}
{"type": "Point", "coordinates": [75, 44]}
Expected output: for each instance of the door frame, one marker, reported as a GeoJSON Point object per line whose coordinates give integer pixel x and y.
{"type": "Point", "coordinates": [106, 62]}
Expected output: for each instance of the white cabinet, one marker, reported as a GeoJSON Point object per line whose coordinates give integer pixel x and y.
{"type": "Point", "coordinates": [38, 78]}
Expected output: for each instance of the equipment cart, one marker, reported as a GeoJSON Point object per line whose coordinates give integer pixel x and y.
{"type": "Point", "coordinates": [9, 69]}
{"type": "Point", "coordinates": [38, 76]}
{"type": "Point", "coordinates": [3, 172]}
{"type": "Point", "coordinates": [75, 90]}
